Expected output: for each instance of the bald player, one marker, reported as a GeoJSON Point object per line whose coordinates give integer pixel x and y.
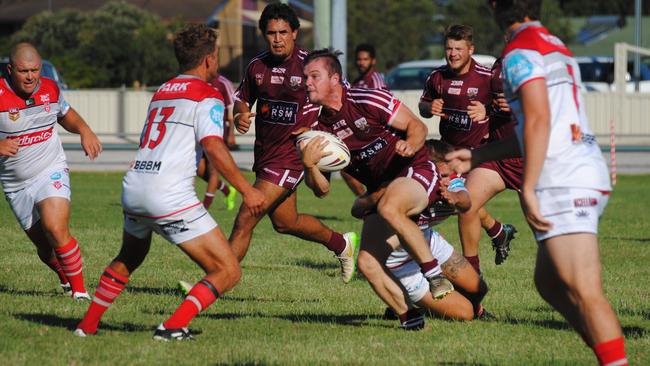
{"type": "Point", "coordinates": [33, 169]}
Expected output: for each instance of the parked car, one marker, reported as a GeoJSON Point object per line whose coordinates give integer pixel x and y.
{"type": "Point", "coordinates": [48, 71]}
{"type": "Point", "coordinates": [413, 74]}
{"type": "Point", "coordinates": [597, 73]}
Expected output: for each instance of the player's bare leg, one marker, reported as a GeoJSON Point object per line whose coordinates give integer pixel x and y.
{"type": "Point", "coordinates": [575, 260]}
{"type": "Point", "coordinates": [466, 281]}
{"type": "Point", "coordinates": [46, 254]}
{"type": "Point", "coordinates": [482, 184]}
{"type": "Point", "coordinates": [454, 306]}
{"type": "Point", "coordinates": [377, 243]}
{"type": "Point", "coordinates": [55, 214]}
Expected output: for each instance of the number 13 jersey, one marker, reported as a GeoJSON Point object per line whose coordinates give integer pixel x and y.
{"type": "Point", "coordinates": [160, 181]}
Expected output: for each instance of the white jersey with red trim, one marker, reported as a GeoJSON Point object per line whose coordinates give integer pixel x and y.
{"type": "Point", "coordinates": [32, 122]}
{"type": "Point", "coordinates": [182, 113]}
{"type": "Point", "coordinates": [573, 158]}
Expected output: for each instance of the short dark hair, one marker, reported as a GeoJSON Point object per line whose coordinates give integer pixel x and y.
{"type": "Point", "coordinates": [278, 10]}
{"type": "Point", "coordinates": [331, 58]}
{"type": "Point", "coordinates": [507, 12]}
{"type": "Point", "coordinates": [365, 47]}
{"type": "Point", "coordinates": [192, 43]}
{"type": "Point", "coordinates": [459, 32]}
{"type": "Point", "coordinates": [437, 149]}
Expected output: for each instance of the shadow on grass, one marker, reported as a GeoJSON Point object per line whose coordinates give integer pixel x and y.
{"type": "Point", "coordinates": [308, 263]}
{"type": "Point", "coordinates": [639, 240]}
{"type": "Point", "coordinates": [153, 290]}
{"type": "Point", "coordinates": [355, 320]}
{"type": "Point", "coordinates": [633, 312]}
{"type": "Point", "coordinates": [71, 323]}
{"type": "Point", "coordinates": [457, 364]}
{"type": "Point", "coordinates": [629, 331]}
{"type": "Point", "coordinates": [330, 218]}
{"type": "Point", "coordinates": [266, 299]}
{"type": "Point", "coordinates": [17, 292]}
{"type": "Point", "coordinates": [244, 363]}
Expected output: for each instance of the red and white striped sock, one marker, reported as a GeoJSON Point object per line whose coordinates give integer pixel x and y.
{"type": "Point", "coordinates": [110, 286]}
{"type": "Point", "coordinates": [54, 265]}
{"type": "Point", "coordinates": [69, 257]}
{"type": "Point", "coordinates": [611, 353]}
{"type": "Point", "coordinates": [202, 295]}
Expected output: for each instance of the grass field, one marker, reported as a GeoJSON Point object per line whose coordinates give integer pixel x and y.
{"type": "Point", "coordinates": [292, 308]}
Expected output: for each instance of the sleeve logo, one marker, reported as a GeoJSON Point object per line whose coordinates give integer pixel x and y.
{"type": "Point", "coordinates": [518, 69]}
{"type": "Point", "coordinates": [216, 115]}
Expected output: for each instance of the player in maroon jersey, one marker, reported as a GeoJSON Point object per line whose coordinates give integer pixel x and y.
{"type": "Point", "coordinates": [369, 77]}
{"type": "Point", "coordinates": [458, 93]}
{"type": "Point", "coordinates": [274, 81]}
{"type": "Point", "coordinates": [33, 169]}
{"type": "Point", "coordinates": [366, 120]}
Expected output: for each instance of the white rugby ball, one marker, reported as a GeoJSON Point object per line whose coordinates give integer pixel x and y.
{"type": "Point", "coordinates": [340, 157]}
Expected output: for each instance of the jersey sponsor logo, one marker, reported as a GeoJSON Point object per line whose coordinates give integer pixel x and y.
{"type": "Point", "coordinates": [55, 176]}
{"type": "Point", "coordinates": [14, 114]}
{"type": "Point", "coordinates": [291, 180]}
{"type": "Point", "coordinates": [174, 227]}
{"type": "Point", "coordinates": [518, 69]}
{"type": "Point", "coordinates": [585, 202]}
{"type": "Point", "coordinates": [276, 111]}
{"type": "Point", "coordinates": [472, 92]}
{"type": "Point", "coordinates": [582, 214]}
{"type": "Point", "coordinates": [146, 166]}
{"type": "Point", "coordinates": [369, 151]}
{"type": "Point", "coordinates": [361, 124]}
{"type": "Point", "coordinates": [57, 184]}
{"type": "Point", "coordinates": [279, 70]}
{"type": "Point", "coordinates": [459, 121]}
{"type": "Point", "coordinates": [259, 79]}
{"type": "Point", "coordinates": [453, 91]}
{"type": "Point", "coordinates": [33, 138]}
{"type": "Point", "coordinates": [216, 115]}
{"type": "Point", "coordinates": [174, 87]}
{"type": "Point", "coordinates": [45, 99]}
{"type": "Point", "coordinates": [277, 79]}
{"type": "Point", "coordinates": [456, 83]}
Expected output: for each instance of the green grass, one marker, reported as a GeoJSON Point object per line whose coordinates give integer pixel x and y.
{"type": "Point", "coordinates": [292, 308]}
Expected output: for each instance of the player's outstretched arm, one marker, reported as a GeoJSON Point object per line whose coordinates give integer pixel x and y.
{"type": "Point", "coordinates": [242, 117]}
{"type": "Point", "coordinates": [74, 123]}
{"type": "Point", "coordinates": [220, 158]}
{"type": "Point", "coordinates": [416, 131]}
{"type": "Point", "coordinates": [310, 154]}
{"type": "Point", "coordinates": [463, 160]}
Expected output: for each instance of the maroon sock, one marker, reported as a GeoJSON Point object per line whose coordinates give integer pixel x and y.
{"type": "Point", "coordinates": [224, 188]}
{"type": "Point", "coordinates": [475, 262]}
{"type": "Point", "coordinates": [54, 265]}
{"type": "Point", "coordinates": [336, 243]}
{"type": "Point", "coordinates": [69, 257]}
{"type": "Point", "coordinates": [496, 231]}
{"type": "Point", "coordinates": [110, 286]}
{"type": "Point", "coordinates": [427, 268]}
{"type": "Point", "coordinates": [202, 295]}
{"type": "Point", "coordinates": [207, 200]}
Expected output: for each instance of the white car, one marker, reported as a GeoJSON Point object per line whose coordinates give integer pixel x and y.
{"type": "Point", "coordinates": [413, 75]}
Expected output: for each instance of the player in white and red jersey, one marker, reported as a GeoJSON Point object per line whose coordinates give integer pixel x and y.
{"type": "Point", "coordinates": [458, 93]}
{"type": "Point", "coordinates": [366, 120]}
{"type": "Point", "coordinates": [365, 61]}
{"type": "Point", "coordinates": [33, 168]}
{"type": "Point", "coordinates": [274, 82]}
{"type": "Point", "coordinates": [185, 116]}
{"type": "Point", "coordinates": [565, 186]}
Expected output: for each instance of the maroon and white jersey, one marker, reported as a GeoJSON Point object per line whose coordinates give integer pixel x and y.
{"type": "Point", "coordinates": [371, 80]}
{"type": "Point", "coordinates": [457, 92]}
{"type": "Point", "coordinates": [160, 182]}
{"type": "Point", "coordinates": [282, 107]}
{"type": "Point", "coordinates": [32, 122]}
{"type": "Point", "coordinates": [363, 123]}
{"type": "Point", "coordinates": [224, 86]}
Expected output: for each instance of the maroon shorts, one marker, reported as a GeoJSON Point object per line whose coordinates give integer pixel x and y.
{"type": "Point", "coordinates": [510, 170]}
{"type": "Point", "coordinates": [285, 178]}
{"type": "Point", "coordinates": [423, 172]}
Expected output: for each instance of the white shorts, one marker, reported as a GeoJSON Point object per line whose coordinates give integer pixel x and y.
{"type": "Point", "coordinates": [177, 228]}
{"type": "Point", "coordinates": [409, 273]}
{"type": "Point", "coordinates": [571, 210]}
{"type": "Point", "coordinates": [54, 182]}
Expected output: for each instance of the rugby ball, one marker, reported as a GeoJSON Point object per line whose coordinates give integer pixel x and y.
{"type": "Point", "coordinates": [340, 157]}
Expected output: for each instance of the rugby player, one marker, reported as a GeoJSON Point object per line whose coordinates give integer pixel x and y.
{"type": "Point", "coordinates": [185, 116]}
{"type": "Point", "coordinates": [33, 169]}
{"type": "Point", "coordinates": [366, 120]}
{"type": "Point", "coordinates": [274, 81]}
{"type": "Point", "coordinates": [365, 61]}
{"type": "Point", "coordinates": [566, 186]}
{"type": "Point", "coordinates": [458, 93]}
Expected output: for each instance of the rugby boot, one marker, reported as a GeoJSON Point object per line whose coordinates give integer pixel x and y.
{"type": "Point", "coordinates": [67, 289]}
{"type": "Point", "coordinates": [81, 296]}
{"type": "Point", "coordinates": [184, 287]}
{"type": "Point", "coordinates": [414, 320]}
{"type": "Point", "coordinates": [348, 257]}
{"type": "Point", "coordinates": [164, 334]}
{"type": "Point", "coordinates": [501, 246]}
{"type": "Point", "coordinates": [440, 286]}
{"type": "Point", "coordinates": [231, 199]}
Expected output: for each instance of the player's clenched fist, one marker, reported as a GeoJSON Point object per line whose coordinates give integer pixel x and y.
{"type": "Point", "coordinates": [254, 200]}
{"type": "Point", "coordinates": [8, 147]}
{"type": "Point", "coordinates": [404, 149]}
{"type": "Point", "coordinates": [436, 107]}
{"type": "Point", "coordinates": [243, 121]}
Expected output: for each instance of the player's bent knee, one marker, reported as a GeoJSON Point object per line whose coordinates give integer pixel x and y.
{"type": "Point", "coordinates": [58, 232]}
{"type": "Point", "coordinates": [367, 264]}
